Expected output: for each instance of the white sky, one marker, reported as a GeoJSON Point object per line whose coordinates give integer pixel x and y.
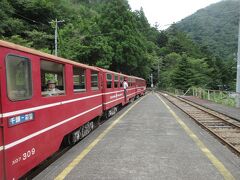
{"type": "Point", "coordinates": [166, 12]}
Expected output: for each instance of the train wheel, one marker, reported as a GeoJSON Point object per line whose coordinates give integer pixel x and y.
{"type": "Point", "coordinates": [74, 137]}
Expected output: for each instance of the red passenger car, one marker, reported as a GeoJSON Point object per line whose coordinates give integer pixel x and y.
{"type": "Point", "coordinates": [140, 86]}
{"type": "Point", "coordinates": [34, 123]}
{"type": "Point", "coordinates": [113, 92]}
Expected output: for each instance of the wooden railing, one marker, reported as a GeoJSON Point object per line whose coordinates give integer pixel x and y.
{"type": "Point", "coordinates": [222, 97]}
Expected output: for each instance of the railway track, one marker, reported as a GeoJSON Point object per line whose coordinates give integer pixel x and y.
{"type": "Point", "coordinates": [226, 129]}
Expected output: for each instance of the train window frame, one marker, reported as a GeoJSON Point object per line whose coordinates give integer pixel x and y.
{"type": "Point", "coordinates": [129, 82]}
{"type": "Point", "coordinates": [94, 88]}
{"type": "Point", "coordinates": [109, 81]}
{"type": "Point", "coordinates": [116, 84]}
{"type": "Point", "coordinates": [80, 76]}
{"type": "Point", "coordinates": [13, 93]}
{"type": "Point", "coordinates": [121, 81]}
{"type": "Point", "coordinates": [56, 72]}
{"type": "Point", "coordinates": [134, 82]}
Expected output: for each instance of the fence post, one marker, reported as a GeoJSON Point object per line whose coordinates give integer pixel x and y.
{"type": "Point", "coordinates": [208, 95]}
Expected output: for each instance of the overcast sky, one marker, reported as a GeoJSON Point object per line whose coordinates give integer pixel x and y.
{"type": "Point", "coordinates": [166, 12]}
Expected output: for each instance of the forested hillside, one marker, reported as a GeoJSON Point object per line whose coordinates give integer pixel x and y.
{"type": "Point", "coordinates": [215, 27]}
{"type": "Point", "coordinates": [109, 34]}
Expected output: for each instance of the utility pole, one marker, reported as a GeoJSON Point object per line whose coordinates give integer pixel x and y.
{"type": "Point", "coordinates": [158, 69]}
{"type": "Point", "coordinates": [56, 35]}
{"type": "Point", "coordinates": [159, 61]}
{"type": "Point", "coordinates": [238, 70]}
{"type": "Point", "coordinates": [151, 76]}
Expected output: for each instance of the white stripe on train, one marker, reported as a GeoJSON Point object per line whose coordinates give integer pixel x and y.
{"type": "Point", "coordinates": [45, 106]}
{"type": "Point", "coordinates": [8, 114]}
{"type": "Point", "coordinates": [48, 128]}
{"type": "Point", "coordinates": [8, 146]}
{"type": "Point", "coordinates": [117, 99]}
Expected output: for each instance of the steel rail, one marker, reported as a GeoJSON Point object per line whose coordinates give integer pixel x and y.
{"type": "Point", "coordinates": [226, 129]}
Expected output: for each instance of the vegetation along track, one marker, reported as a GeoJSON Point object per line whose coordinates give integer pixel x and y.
{"type": "Point", "coordinates": [224, 128]}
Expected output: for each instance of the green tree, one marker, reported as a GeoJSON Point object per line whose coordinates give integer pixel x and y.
{"type": "Point", "coordinates": [182, 76]}
{"type": "Point", "coordinates": [130, 50]}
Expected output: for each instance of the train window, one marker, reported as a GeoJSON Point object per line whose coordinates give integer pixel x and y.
{"type": "Point", "coordinates": [94, 80]}
{"type": "Point", "coordinates": [52, 78]}
{"type": "Point", "coordinates": [19, 78]}
{"type": "Point", "coordinates": [133, 82]}
{"type": "Point", "coordinates": [129, 82]}
{"type": "Point", "coordinates": [115, 81]}
{"type": "Point", "coordinates": [121, 81]}
{"type": "Point", "coordinates": [79, 80]}
{"type": "Point", "coordinates": [109, 81]}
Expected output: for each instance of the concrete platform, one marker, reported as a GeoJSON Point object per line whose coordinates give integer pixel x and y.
{"type": "Point", "coordinates": [146, 143]}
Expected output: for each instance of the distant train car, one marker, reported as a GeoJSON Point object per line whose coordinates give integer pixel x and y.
{"type": "Point", "coordinates": [140, 86]}
{"type": "Point", "coordinates": [33, 122]}
{"type": "Point", "coordinates": [113, 92]}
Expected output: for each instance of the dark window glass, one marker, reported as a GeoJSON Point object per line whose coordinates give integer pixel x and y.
{"type": "Point", "coordinates": [19, 78]}
{"type": "Point", "coordinates": [94, 80]}
{"type": "Point", "coordinates": [121, 81]}
{"type": "Point", "coordinates": [115, 81]}
{"type": "Point", "coordinates": [109, 81]}
{"type": "Point", "coordinates": [129, 82]}
{"type": "Point", "coordinates": [79, 80]}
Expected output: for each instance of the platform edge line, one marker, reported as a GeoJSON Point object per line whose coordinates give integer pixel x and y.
{"type": "Point", "coordinates": [77, 160]}
{"type": "Point", "coordinates": [213, 159]}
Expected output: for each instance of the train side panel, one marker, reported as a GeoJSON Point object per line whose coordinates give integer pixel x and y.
{"type": "Point", "coordinates": [2, 161]}
{"type": "Point", "coordinates": [34, 128]}
{"type": "Point", "coordinates": [113, 93]}
{"type": "Point", "coordinates": [31, 148]}
{"type": "Point", "coordinates": [141, 86]}
{"type": "Point", "coordinates": [1, 154]}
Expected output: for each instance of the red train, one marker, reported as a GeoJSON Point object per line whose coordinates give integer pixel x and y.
{"type": "Point", "coordinates": [34, 125]}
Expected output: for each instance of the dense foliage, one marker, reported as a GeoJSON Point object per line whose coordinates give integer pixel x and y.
{"type": "Point", "coordinates": [109, 34]}
{"type": "Point", "coordinates": [215, 27]}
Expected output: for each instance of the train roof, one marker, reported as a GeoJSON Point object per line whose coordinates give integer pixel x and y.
{"type": "Point", "coordinates": [49, 56]}
{"type": "Point", "coordinates": [109, 71]}
{"type": "Point", "coordinates": [129, 76]}
{"type": "Point", "coordinates": [42, 54]}
{"type": "Point", "coordinates": [138, 78]}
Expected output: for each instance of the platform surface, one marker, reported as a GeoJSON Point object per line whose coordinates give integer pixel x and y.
{"type": "Point", "coordinates": [146, 143]}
